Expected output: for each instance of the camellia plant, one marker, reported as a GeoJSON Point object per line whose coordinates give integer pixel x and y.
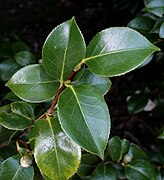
{"type": "Point", "coordinates": [73, 78]}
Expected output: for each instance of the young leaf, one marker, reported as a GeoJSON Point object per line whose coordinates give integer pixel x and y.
{"type": "Point", "coordinates": [57, 156]}
{"type": "Point", "coordinates": [63, 50]}
{"type": "Point", "coordinates": [19, 117]}
{"type": "Point", "coordinates": [33, 84]}
{"type": "Point", "coordinates": [116, 51]}
{"type": "Point", "coordinates": [11, 169]}
{"type": "Point", "coordinates": [88, 121]}
{"type": "Point", "coordinates": [156, 7]}
{"type": "Point", "coordinates": [140, 169]}
{"type": "Point", "coordinates": [101, 84]}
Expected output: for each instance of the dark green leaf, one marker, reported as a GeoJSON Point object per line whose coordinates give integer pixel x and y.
{"type": "Point", "coordinates": [24, 58]}
{"type": "Point", "coordinates": [34, 132]}
{"type": "Point", "coordinates": [136, 152]}
{"type": "Point", "coordinates": [12, 170]}
{"type": "Point", "coordinates": [136, 103]}
{"type": "Point", "coordinates": [142, 24]}
{"type": "Point", "coordinates": [19, 46]}
{"type": "Point", "coordinates": [117, 148]}
{"type": "Point", "coordinates": [33, 84]}
{"type": "Point", "coordinates": [55, 153]}
{"type": "Point", "coordinates": [7, 69]}
{"type": "Point", "coordinates": [101, 84]}
{"type": "Point", "coordinates": [6, 135]}
{"type": "Point", "coordinates": [88, 121]}
{"type": "Point", "coordinates": [114, 148]}
{"type": "Point", "coordinates": [11, 97]}
{"type": "Point", "coordinates": [116, 51]}
{"type": "Point", "coordinates": [104, 172]}
{"type": "Point", "coordinates": [156, 7]}
{"type": "Point", "coordinates": [63, 50]}
{"type": "Point", "coordinates": [8, 151]}
{"type": "Point", "coordinates": [161, 31]}
{"type": "Point", "coordinates": [88, 163]}
{"type": "Point", "coordinates": [140, 169]}
{"type": "Point", "coordinates": [19, 117]}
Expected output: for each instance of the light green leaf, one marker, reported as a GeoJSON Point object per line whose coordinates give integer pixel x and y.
{"type": "Point", "coordinates": [63, 50]}
{"type": "Point", "coordinates": [161, 31]}
{"type": "Point", "coordinates": [33, 84]}
{"type": "Point", "coordinates": [104, 172]}
{"type": "Point", "coordinates": [116, 51]}
{"type": "Point", "coordinates": [101, 84]}
{"type": "Point", "coordinates": [140, 169]}
{"type": "Point", "coordinates": [18, 118]}
{"type": "Point", "coordinates": [156, 7]}
{"type": "Point", "coordinates": [88, 121]}
{"type": "Point", "coordinates": [24, 58]}
{"type": "Point", "coordinates": [11, 170]}
{"type": "Point", "coordinates": [57, 156]}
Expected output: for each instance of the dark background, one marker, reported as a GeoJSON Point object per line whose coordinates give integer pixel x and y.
{"type": "Point", "coordinates": [33, 20]}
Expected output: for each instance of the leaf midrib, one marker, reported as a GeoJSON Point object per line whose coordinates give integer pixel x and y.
{"type": "Point", "coordinates": [65, 54]}
{"type": "Point", "coordinates": [43, 82]}
{"type": "Point", "coordinates": [78, 102]}
{"type": "Point", "coordinates": [137, 171]}
{"type": "Point", "coordinates": [117, 51]}
{"type": "Point", "coordinates": [55, 148]}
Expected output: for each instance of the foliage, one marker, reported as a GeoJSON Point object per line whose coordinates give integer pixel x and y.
{"type": "Point", "coordinates": [72, 80]}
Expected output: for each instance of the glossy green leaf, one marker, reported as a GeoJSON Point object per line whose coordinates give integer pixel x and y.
{"type": "Point", "coordinates": [24, 58]}
{"type": "Point", "coordinates": [156, 7]}
{"type": "Point", "coordinates": [140, 169]}
{"type": "Point", "coordinates": [88, 121]}
{"type": "Point", "coordinates": [117, 148]}
{"type": "Point", "coordinates": [7, 69]}
{"type": "Point", "coordinates": [11, 97]}
{"type": "Point", "coordinates": [55, 153]}
{"type": "Point", "coordinates": [11, 170]}
{"type": "Point", "coordinates": [142, 24]}
{"type": "Point", "coordinates": [136, 152]}
{"type": "Point", "coordinates": [114, 148]}
{"type": "Point", "coordinates": [33, 84]}
{"type": "Point", "coordinates": [101, 84]}
{"type": "Point", "coordinates": [116, 51]}
{"type": "Point", "coordinates": [104, 172]}
{"type": "Point", "coordinates": [63, 50]}
{"type": "Point", "coordinates": [19, 117]}
{"type": "Point", "coordinates": [136, 103]}
{"type": "Point", "coordinates": [88, 163]}
{"type": "Point", "coordinates": [161, 31]}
